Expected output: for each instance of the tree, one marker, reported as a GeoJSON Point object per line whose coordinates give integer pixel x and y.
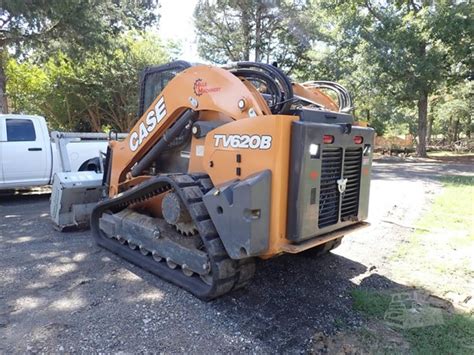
{"type": "Point", "coordinates": [96, 92]}
{"type": "Point", "coordinates": [267, 31]}
{"type": "Point", "coordinates": [453, 111]}
{"type": "Point", "coordinates": [410, 47]}
{"type": "Point", "coordinates": [26, 26]}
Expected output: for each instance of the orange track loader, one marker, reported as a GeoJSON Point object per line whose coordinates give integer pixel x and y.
{"type": "Point", "coordinates": [228, 164]}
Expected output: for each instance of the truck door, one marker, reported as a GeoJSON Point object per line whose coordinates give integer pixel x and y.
{"type": "Point", "coordinates": [24, 154]}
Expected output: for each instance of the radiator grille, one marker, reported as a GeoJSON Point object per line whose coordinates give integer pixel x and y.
{"type": "Point", "coordinates": [329, 195]}
{"type": "Point", "coordinates": [350, 198]}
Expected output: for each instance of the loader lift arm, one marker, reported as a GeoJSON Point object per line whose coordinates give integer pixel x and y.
{"type": "Point", "coordinates": [169, 107]}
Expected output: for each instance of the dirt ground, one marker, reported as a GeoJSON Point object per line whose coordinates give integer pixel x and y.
{"type": "Point", "coordinates": [59, 292]}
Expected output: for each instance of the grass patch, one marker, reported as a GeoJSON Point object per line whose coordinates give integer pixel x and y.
{"type": "Point", "coordinates": [455, 336]}
{"type": "Point", "coordinates": [438, 255]}
{"type": "Point", "coordinates": [453, 208]}
{"type": "Point", "coordinates": [372, 304]}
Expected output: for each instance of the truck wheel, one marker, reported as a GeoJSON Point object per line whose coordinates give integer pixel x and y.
{"type": "Point", "coordinates": [323, 248]}
{"type": "Point", "coordinates": [92, 164]}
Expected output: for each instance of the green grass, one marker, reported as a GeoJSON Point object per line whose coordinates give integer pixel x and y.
{"type": "Point", "coordinates": [453, 209]}
{"type": "Point", "coordinates": [435, 257]}
{"type": "Point", "coordinates": [449, 223]}
{"type": "Point", "coordinates": [454, 336]}
{"type": "Point", "coordinates": [372, 304]}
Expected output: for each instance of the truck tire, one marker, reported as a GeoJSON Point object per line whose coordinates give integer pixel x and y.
{"type": "Point", "coordinates": [323, 248]}
{"type": "Point", "coordinates": [92, 164]}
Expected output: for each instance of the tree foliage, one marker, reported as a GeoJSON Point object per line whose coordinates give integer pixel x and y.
{"type": "Point", "coordinates": [394, 56]}
{"type": "Point", "coordinates": [90, 94]}
{"type": "Point", "coordinates": [408, 47]}
{"type": "Point", "coordinates": [408, 64]}
{"type": "Point", "coordinates": [36, 28]}
{"type": "Point", "coordinates": [398, 54]}
{"type": "Point", "coordinates": [453, 110]}
{"type": "Point", "coordinates": [260, 30]}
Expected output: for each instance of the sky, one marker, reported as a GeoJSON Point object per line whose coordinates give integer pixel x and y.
{"type": "Point", "coordinates": [176, 23]}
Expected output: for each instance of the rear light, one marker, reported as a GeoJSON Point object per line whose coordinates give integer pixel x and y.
{"type": "Point", "coordinates": [367, 149]}
{"type": "Point", "coordinates": [358, 139]}
{"type": "Point", "coordinates": [327, 139]}
{"type": "Point", "coordinates": [314, 151]}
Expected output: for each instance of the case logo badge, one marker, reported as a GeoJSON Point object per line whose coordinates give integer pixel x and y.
{"type": "Point", "coordinates": [341, 185]}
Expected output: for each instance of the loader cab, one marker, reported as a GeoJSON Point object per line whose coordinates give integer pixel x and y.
{"type": "Point", "coordinates": [154, 79]}
{"type": "Point", "coordinates": [152, 82]}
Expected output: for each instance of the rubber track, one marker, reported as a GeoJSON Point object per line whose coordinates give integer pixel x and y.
{"type": "Point", "coordinates": [227, 274]}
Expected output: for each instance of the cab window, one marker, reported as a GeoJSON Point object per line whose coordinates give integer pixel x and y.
{"type": "Point", "coordinates": [20, 130]}
{"type": "Point", "coordinates": [155, 83]}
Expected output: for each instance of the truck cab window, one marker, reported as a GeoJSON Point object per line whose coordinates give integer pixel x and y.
{"type": "Point", "coordinates": [20, 130]}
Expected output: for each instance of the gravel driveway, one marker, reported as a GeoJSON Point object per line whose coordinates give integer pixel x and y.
{"type": "Point", "coordinates": [59, 292]}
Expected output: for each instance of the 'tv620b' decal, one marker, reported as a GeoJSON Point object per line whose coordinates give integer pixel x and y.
{"type": "Point", "coordinates": [153, 117]}
{"type": "Point", "coordinates": [243, 141]}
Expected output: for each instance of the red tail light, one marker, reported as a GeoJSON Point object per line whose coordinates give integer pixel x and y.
{"type": "Point", "coordinates": [358, 139]}
{"type": "Point", "coordinates": [327, 139]}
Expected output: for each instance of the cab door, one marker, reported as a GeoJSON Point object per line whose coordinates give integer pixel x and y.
{"type": "Point", "coordinates": [24, 155]}
{"type": "Point", "coordinates": [154, 79]}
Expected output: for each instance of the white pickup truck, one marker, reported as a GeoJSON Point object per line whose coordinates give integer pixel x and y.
{"type": "Point", "coordinates": [30, 157]}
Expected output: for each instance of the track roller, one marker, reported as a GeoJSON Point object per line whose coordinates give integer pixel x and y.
{"type": "Point", "coordinates": [156, 257]}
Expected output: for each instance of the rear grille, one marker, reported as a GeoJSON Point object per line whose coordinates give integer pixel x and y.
{"type": "Point", "coordinates": [329, 195]}
{"type": "Point", "coordinates": [350, 198]}
{"type": "Point", "coordinates": [331, 170]}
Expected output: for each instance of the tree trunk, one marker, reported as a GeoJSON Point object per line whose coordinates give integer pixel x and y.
{"type": "Point", "coordinates": [450, 130]}
{"type": "Point", "coordinates": [245, 15]}
{"type": "Point", "coordinates": [3, 82]}
{"type": "Point", "coordinates": [430, 130]}
{"type": "Point", "coordinates": [422, 124]}
{"type": "Point", "coordinates": [456, 130]}
{"type": "Point", "coordinates": [258, 33]}
{"type": "Point", "coordinates": [468, 127]}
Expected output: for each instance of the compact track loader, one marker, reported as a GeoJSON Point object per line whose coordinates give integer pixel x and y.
{"type": "Point", "coordinates": [229, 164]}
